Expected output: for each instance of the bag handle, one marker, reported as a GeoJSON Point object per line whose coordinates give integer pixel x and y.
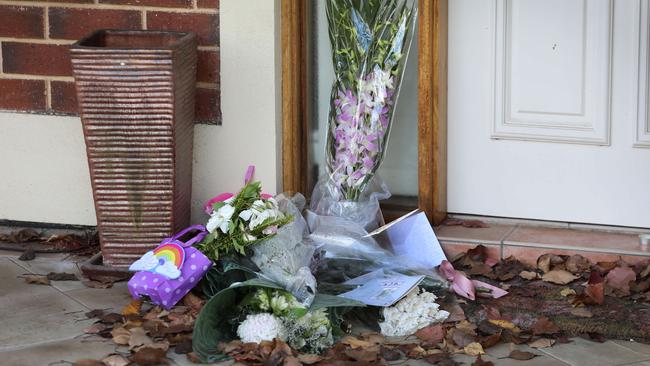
{"type": "Point", "coordinates": [197, 238]}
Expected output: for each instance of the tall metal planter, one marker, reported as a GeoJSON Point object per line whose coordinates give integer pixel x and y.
{"type": "Point", "coordinates": [136, 98]}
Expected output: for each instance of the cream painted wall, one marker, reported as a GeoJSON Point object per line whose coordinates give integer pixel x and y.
{"type": "Point", "coordinates": [43, 161]}
{"type": "Point", "coordinates": [44, 170]}
{"type": "Point", "coordinates": [250, 103]}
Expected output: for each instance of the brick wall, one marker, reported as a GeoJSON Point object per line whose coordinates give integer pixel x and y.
{"type": "Point", "coordinates": [35, 71]}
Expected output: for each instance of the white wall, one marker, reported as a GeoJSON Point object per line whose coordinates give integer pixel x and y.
{"type": "Point", "coordinates": [44, 173]}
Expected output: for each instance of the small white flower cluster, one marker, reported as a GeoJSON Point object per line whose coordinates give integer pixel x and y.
{"type": "Point", "coordinates": [311, 333]}
{"type": "Point", "coordinates": [417, 310]}
{"type": "Point", "coordinates": [260, 212]}
{"type": "Point", "coordinates": [261, 327]}
{"type": "Point", "coordinates": [280, 304]}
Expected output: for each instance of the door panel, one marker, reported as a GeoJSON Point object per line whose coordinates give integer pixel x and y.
{"type": "Point", "coordinates": [542, 114]}
{"type": "Point", "coordinates": [552, 70]}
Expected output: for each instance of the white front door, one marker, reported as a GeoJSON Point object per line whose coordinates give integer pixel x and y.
{"type": "Point", "coordinates": [548, 113]}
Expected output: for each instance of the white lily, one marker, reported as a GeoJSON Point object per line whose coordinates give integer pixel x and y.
{"type": "Point", "coordinates": [256, 208]}
{"type": "Point", "coordinates": [220, 219]}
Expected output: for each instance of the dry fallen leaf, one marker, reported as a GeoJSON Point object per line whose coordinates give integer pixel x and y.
{"type": "Point", "coordinates": [27, 255]}
{"type": "Point", "coordinates": [566, 292]}
{"type": "Point", "coordinates": [291, 361]}
{"type": "Point", "coordinates": [474, 224]}
{"type": "Point", "coordinates": [502, 323]}
{"type": "Point", "coordinates": [542, 343]}
{"type": "Point", "coordinates": [516, 354]}
{"type": "Point", "coordinates": [111, 318]}
{"type": "Point", "coordinates": [132, 308]}
{"type": "Point", "coordinates": [150, 357]}
{"type": "Point", "coordinates": [88, 362]}
{"type": "Point", "coordinates": [619, 279]}
{"type": "Point", "coordinates": [95, 328]}
{"type": "Point", "coordinates": [529, 275]}
{"type": "Point", "coordinates": [121, 336]}
{"type": "Point", "coordinates": [37, 280]}
{"type": "Point", "coordinates": [193, 302]}
{"type": "Point", "coordinates": [138, 338]}
{"type": "Point", "coordinates": [389, 354]}
{"type": "Point", "coordinates": [62, 276]}
{"type": "Point", "coordinates": [582, 312]}
{"type": "Point", "coordinates": [116, 360]}
{"type": "Point", "coordinates": [545, 326]}
{"type": "Point", "coordinates": [462, 337]}
{"type": "Point", "coordinates": [474, 349]}
{"type": "Point", "coordinates": [577, 264]}
{"type": "Point", "coordinates": [309, 359]}
{"type": "Point", "coordinates": [363, 354]}
{"type": "Point", "coordinates": [438, 358]}
{"type": "Point", "coordinates": [559, 277]}
{"type": "Point", "coordinates": [479, 362]}
{"type": "Point", "coordinates": [433, 334]}
{"type": "Point", "coordinates": [355, 342]}
{"type": "Point", "coordinates": [97, 284]}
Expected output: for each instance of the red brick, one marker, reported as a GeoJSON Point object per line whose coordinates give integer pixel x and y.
{"type": "Point", "coordinates": [208, 66]}
{"type": "Point", "coordinates": [206, 26]}
{"type": "Point", "coordinates": [36, 59]}
{"type": "Point", "coordinates": [21, 21]}
{"type": "Point", "coordinates": [22, 95]}
{"type": "Point", "coordinates": [66, 23]}
{"type": "Point", "coordinates": [208, 106]}
{"type": "Point", "coordinates": [214, 4]}
{"type": "Point", "coordinates": [64, 97]}
{"type": "Point", "coordinates": [161, 3]}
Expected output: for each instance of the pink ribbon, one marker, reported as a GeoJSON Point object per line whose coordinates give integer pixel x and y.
{"type": "Point", "coordinates": [465, 287]}
{"type": "Point", "coordinates": [220, 198]}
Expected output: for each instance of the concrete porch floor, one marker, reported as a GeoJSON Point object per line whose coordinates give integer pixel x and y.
{"type": "Point", "coordinates": [43, 325]}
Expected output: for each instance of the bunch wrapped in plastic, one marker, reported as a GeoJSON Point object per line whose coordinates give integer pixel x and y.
{"type": "Point", "coordinates": [285, 257]}
{"type": "Point", "coordinates": [370, 41]}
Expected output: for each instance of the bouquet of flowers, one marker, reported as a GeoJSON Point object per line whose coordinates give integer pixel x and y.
{"type": "Point", "coordinates": [272, 313]}
{"type": "Point", "coordinates": [259, 310]}
{"type": "Point", "coordinates": [370, 42]}
{"type": "Point", "coordinates": [239, 221]}
{"type": "Point", "coordinates": [252, 233]}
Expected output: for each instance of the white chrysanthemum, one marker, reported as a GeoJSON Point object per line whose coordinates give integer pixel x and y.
{"type": "Point", "coordinates": [417, 310]}
{"type": "Point", "coordinates": [261, 327]}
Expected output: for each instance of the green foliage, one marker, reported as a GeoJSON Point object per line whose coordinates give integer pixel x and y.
{"type": "Point", "coordinates": [365, 33]}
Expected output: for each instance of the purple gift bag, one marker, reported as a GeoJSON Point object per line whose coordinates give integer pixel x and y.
{"type": "Point", "coordinates": [170, 271]}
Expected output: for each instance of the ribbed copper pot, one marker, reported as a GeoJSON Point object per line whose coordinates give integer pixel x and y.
{"type": "Point", "coordinates": [136, 98]}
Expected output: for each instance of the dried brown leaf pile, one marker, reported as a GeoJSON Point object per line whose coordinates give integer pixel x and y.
{"type": "Point", "coordinates": [149, 333]}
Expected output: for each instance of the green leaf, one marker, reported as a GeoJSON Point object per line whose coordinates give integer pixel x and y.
{"type": "Point", "coordinates": [217, 205]}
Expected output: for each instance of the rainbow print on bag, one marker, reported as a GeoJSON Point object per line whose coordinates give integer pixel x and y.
{"type": "Point", "coordinates": [167, 260]}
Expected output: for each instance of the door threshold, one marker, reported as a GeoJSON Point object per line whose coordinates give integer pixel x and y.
{"type": "Point", "coordinates": [528, 239]}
